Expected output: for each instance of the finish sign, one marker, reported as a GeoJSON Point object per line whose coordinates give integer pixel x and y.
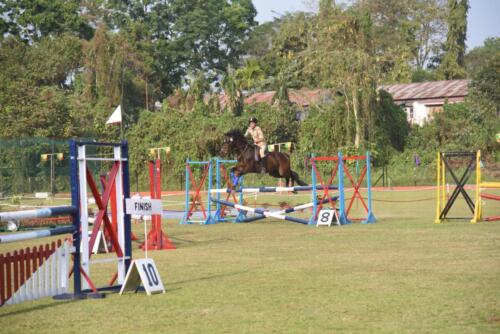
{"type": "Point", "coordinates": [143, 207]}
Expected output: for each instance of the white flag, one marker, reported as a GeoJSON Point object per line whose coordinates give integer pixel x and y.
{"type": "Point", "coordinates": [116, 116]}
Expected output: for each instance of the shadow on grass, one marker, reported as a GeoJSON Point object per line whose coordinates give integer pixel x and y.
{"type": "Point", "coordinates": [185, 243]}
{"type": "Point", "coordinates": [37, 308]}
{"type": "Point", "coordinates": [209, 277]}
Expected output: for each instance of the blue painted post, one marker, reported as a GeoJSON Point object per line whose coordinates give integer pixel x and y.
{"type": "Point", "coordinates": [75, 201]}
{"type": "Point", "coordinates": [217, 173]}
{"type": "Point", "coordinates": [126, 194]}
{"type": "Point", "coordinates": [242, 215]}
{"type": "Point", "coordinates": [186, 207]}
{"type": "Point", "coordinates": [312, 220]}
{"type": "Point", "coordinates": [340, 174]}
{"type": "Point", "coordinates": [370, 219]}
{"type": "Point", "coordinates": [210, 219]}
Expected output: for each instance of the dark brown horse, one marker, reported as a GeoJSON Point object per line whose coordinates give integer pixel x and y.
{"type": "Point", "coordinates": [276, 164]}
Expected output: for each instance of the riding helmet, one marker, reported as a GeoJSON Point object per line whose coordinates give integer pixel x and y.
{"type": "Point", "coordinates": [253, 119]}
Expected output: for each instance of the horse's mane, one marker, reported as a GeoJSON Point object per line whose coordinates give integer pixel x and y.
{"type": "Point", "coordinates": [235, 133]}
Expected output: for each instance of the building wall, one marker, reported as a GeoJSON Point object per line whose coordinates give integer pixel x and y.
{"type": "Point", "coordinates": [420, 113]}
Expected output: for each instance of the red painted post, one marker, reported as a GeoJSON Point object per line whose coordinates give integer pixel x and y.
{"type": "Point", "coordinates": [114, 214]}
{"type": "Point", "coordinates": [9, 276]}
{"type": "Point", "coordinates": [28, 263]}
{"type": "Point", "coordinates": [157, 239]}
{"type": "Point", "coordinates": [15, 262]}
{"type": "Point", "coordinates": [2, 279]}
{"type": "Point", "coordinates": [40, 254]}
{"type": "Point", "coordinates": [22, 273]}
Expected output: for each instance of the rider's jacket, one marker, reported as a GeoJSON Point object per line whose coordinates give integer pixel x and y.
{"type": "Point", "coordinates": [257, 135]}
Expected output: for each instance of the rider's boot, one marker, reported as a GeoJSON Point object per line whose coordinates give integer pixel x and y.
{"type": "Point", "coordinates": [262, 168]}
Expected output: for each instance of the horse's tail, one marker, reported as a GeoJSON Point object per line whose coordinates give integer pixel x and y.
{"type": "Point", "coordinates": [297, 179]}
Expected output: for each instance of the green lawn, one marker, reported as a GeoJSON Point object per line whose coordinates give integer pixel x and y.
{"type": "Point", "coordinates": [404, 274]}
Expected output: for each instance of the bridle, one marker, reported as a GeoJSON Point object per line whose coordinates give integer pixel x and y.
{"type": "Point", "coordinates": [231, 142]}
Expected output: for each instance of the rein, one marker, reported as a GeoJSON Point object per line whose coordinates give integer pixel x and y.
{"type": "Point", "coordinates": [247, 145]}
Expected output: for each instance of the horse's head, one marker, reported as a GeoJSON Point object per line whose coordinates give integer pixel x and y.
{"type": "Point", "coordinates": [232, 140]}
{"type": "Point", "coordinates": [226, 146]}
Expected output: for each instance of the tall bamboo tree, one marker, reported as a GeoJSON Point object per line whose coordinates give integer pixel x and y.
{"type": "Point", "coordinates": [453, 61]}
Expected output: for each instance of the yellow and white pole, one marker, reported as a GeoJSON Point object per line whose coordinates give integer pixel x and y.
{"type": "Point", "coordinates": [438, 189]}
{"type": "Point", "coordinates": [477, 208]}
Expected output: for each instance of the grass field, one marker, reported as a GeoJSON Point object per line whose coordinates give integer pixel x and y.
{"type": "Point", "coordinates": [404, 274]}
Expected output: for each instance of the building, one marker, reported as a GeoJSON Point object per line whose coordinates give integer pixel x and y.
{"type": "Point", "coordinates": [302, 98]}
{"type": "Point", "coordinates": [420, 100]}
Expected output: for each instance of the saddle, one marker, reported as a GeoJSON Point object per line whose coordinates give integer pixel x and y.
{"type": "Point", "coordinates": [256, 150]}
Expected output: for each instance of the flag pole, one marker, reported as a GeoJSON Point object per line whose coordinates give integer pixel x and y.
{"type": "Point", "coordinates": [121, 127]}
{"type": "Point", "coordinates": [122, 110]}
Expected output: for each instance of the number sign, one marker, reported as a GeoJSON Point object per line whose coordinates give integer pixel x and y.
{"type": "Point", "coordinates": [325, 218]}
{"type": "Point", "coordinates": [143, 270]}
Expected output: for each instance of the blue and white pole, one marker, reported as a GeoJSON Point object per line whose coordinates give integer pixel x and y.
{"type": "Point", "coordinates": [340, 174]}
{"type": "Point", "coordinates": [370, 219]}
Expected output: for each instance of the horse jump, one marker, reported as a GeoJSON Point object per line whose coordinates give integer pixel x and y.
{"type": "Point", "coordinates": [480, 187]}
{"type": "Point", "coordinates": [273, 214]}
{"type": "Point", "coordinates": [443, 206]}
{"type": "Point", "coordinates": [320, 191]}
{"type": "Point", "coordinates": [29, 275]}
{"type": "Point", "coordinates": [338, 171]}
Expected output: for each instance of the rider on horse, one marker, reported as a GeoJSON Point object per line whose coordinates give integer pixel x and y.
{"type": "Point", "coordinates": [276, 164]}
{"type": "Point", "coordinates": [258, 138]}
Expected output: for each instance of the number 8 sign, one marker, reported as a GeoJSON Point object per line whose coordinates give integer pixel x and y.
{"type": "Point", "coordinates": [325, 218]}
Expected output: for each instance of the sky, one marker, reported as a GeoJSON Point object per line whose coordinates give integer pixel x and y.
{"type": "Point", "coordinates": [483, 19]}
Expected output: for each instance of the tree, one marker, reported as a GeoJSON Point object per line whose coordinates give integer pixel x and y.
{"type": "Point", "coordinates": [250, 75]}
{"type": "Point", "coordinates": [406, 34]}
{"type": "Point", "coordinates": [340, 55]}
{"type": "Point", "coordinates": [453, 61]}
{"type": "Point", "coordinates": [114, 73]}
{"type": "Point", "coordinates": [485, 86]}
{"type": "Point", "coordinates": [428, 28]}
{"type": "Point", "coordinates": [281, 98]}
{"type": "Point", "coordinates": [31, 20]}
{"type": "Point", "coordinates": [232, 91]}
{"type": "Point", "coordinates": [54, 61]}
{"type": "Point", "coordinates": [459, 126]}
{"type": "Point", "coordinates": [261, 38]}
{"type": "Point", "coordinates": [187, 36]}
{"type": "Point", "coordinates": [198, 87]}
{"type": "Point", "coordinates": [479, 57]}
{"type": "Point", "coordinates": [32, 100]}
{"type": "Point", "coordinates": [275, 45]}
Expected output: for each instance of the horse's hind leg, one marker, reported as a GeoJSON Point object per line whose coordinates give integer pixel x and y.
{"type": "Point", "coordinates": [287, 182]}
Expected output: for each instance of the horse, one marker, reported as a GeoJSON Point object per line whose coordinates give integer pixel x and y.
{"type": "Point", "coordinates": [276, 164]}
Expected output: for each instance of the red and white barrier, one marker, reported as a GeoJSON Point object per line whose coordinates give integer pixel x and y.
{"type": "Point", "coordinates": [30, 274]}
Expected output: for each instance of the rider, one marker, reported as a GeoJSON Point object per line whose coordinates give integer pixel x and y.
{"type": "Point", "coordinates": [258, 138]}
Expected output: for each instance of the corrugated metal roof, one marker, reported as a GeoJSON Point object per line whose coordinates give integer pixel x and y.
{"type": "Point", "coordinates": [263, 97]}
{"type": "Point", "coordinates": [302, 97]}
{"type": "Point", "coordinates": [428, 90]}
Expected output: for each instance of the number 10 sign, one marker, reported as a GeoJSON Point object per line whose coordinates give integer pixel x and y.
{"type": "Point", "coordinates": [143, 270]}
